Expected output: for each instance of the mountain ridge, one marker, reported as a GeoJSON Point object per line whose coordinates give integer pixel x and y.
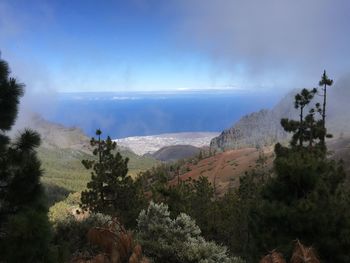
{"type": "Point", "coordinates": [175, 152]}
{"type": "Point", "coordinates": [263, 128]}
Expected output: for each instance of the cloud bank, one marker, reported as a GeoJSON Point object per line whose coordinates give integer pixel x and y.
{"type": "Point", "coordinates": [268, 41]}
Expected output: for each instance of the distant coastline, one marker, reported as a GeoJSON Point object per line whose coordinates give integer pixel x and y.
{"type": "Point", "coordinates": [126, 114]}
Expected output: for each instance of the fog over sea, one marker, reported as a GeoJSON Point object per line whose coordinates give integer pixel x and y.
{"type": "Point", "coordinates": [138, 113]}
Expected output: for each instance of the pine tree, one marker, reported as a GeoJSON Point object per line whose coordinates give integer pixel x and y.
{"type": "Point", "coordinates": [111, 190]}
{"type": "Point", "coordinates": [324, 82]}
{"type": "Point", "coordinates": [302, 100]}
{"type": "Point", "coordinates": [24, 226]}
{"type": "Point", "coordinates": [308, 131]}
{"type": "Point", "coordinates": [305, 199]}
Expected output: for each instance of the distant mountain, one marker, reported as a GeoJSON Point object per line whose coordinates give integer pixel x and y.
{"type": "Point", "coordinates": [150, 144]}
{"type": "Point", "coordinates": [175, 152]}
{"type": "Point", "coordinates": [263, 128]}
{"type": "Point", "coordinates": [62, 150]}
{"type": "Point", "coordinates": [256, 129]}
{"type": "Point", "coordinates": [56, 135]}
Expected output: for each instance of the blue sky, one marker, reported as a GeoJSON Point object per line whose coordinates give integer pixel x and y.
{"type": "Point", "coordinates": [85, 45]}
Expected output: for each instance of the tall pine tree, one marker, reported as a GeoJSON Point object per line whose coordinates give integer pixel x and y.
{"type": "Point", "coordinates": [24, 226]}
{"type": "Point", "coordinates": [305, 199]}
{"type": "Point", "coordinates": [323, 83]}
{"type": "Point", "coordinates": [111, 190]}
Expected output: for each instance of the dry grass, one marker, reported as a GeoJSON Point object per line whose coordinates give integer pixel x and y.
{"type": "Point", "coordinates": [224, 166]}
{"type": "Point", "coordinates": [273, 257]}
{"type": "Point", "coordinates": [116, 243]}
{"type": "Point", "coordinates": [301, 254]}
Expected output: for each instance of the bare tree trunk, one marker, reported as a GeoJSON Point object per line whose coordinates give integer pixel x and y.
{"type": "Point", "coordinates": [301, 128]}
{"type": "Point", "coordinates": [324, 113]}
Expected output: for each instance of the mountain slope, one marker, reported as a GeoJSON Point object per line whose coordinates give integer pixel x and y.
{"type": "Point", "coordinates": [263, 128]}
{"type": "Point", "coordinates": [62, 151]}
{"type": "Point", "coordinates": [224, 169]}
{"type": "Point", "coordinates": [175, 152]}
{"type": "Point", "coordinates": [256, 129]}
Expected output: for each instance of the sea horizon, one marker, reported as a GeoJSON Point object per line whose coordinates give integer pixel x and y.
{"type": "Point", "coordinates": [129, 114]}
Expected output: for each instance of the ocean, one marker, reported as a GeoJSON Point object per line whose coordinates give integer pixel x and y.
{"type": "Point", "coordinates": [122, 115]}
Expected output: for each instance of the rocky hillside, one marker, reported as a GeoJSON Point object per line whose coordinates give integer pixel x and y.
{"type": "Point", "coordinates": [256, 129]}
{"type": "Point", "coordinates": [263, 128]}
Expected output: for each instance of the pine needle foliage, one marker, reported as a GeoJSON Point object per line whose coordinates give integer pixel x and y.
{"type": "Point", "coordinates": [306, 198]}
{"type": "Point", "coordinates": [111, 190]}
{"type": "Point", "coordinates": [24, 226]}
{"type": "Point", "coordinates": [116, 245]}
{"type": "Point", "coordinates": [323, 83]}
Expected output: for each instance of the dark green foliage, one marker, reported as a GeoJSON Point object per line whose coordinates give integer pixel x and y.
{"type": "Point", "coordinates": [324, 82]}
{"type": "Point", "coordinates": [194, 197]}
{"type": "Point", "coordinates": [23, 173]}
{"type": "Point", "coordinates": [27, 237]}
{"type": "Point", "coordinates": [235, 213]}
{"type": "Point", "coordinates": [305, 199]}
{"type": "Point", "coordinates": [10, 92]}
{"type": "Point", "coordinates": [24, 227]}
{"type": "Point", "coordinates": [201, 202]}
{"type": "Point", "coordinates": [111, 191]}
{"type": "Point", "coordinates": [307, 129]}
{"type": "Point", "coordinates": [157, 177]}
{"type": "Point", "coordinates": [55, 193]}
{"type": "Point", "coordinates": [70, 235]}
{"type": "Point", "coordinates": [223, 219]}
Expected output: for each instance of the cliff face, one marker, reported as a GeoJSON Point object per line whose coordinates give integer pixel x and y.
{"type": "Point", "coordinates": [263, 128]}
{"type": "Point", "coordinates": [256, 129]}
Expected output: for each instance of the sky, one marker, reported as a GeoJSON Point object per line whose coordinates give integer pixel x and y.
{"type": "Point", "coordinates": [152, 45]}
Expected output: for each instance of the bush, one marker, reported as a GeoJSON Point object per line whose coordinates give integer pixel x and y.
{"type": "Point", "coordinates": [70, 234]}
{"type": "Point", "coordinates": [176, 240]}
{"type": "Point", "coordinates": [63, 209]}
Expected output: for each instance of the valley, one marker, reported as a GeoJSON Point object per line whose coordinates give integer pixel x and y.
{"type": "Point", "coordinates": [175, 167]}
{"type": "Point", "coordinates": [149, 144]}
{"type": "Point", "coordinates": [64, 148]}
{"type": "Point", "coordinates": [187, 131]}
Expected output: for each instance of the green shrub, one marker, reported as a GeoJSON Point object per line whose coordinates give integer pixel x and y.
{"type": "Point", "coordinates": [176, 240]}
{"type": "Point", "coordinates": [70, 234]}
